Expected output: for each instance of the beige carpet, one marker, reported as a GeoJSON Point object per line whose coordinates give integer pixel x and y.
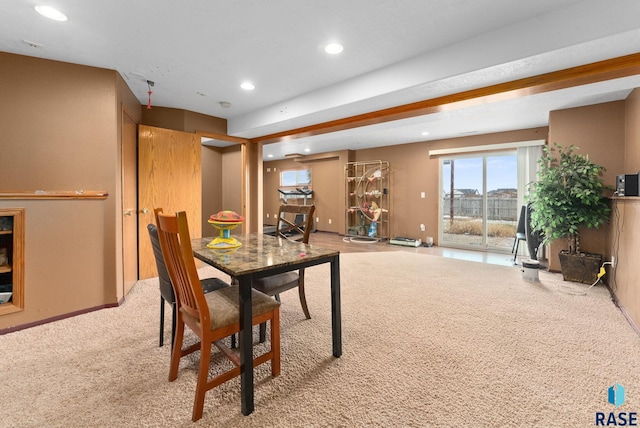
{"type": "Point", "coordinates": [428, 341]}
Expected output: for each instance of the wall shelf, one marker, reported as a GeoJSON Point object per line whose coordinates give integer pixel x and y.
{"type": "Point", "coordinates": [55, 194]}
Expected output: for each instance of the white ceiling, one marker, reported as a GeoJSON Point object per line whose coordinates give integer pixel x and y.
{"type": "Point", "coordinates": [197, 53]}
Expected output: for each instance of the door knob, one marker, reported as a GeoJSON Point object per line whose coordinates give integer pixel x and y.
{"type": "Point", "coordinates": [144, 211]}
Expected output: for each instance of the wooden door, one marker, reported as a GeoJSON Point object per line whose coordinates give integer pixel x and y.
{"type": "Point", "coordinates": [169, 177]}
{"type": "Point", "coordinates": [129, 203]}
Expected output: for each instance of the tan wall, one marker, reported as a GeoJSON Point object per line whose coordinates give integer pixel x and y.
{"type": "Point", "coordinates": [413, 172]}
{"type": "Point", "coordinates": [222, 177]}
{"type": "Point", "coordinates": [211, 185]}
{"type": "Point", "coordinates": [624, 234]}
{"type": "Point", "coordinates": [624, 280]}
{"type": "Point", "coordinates": [599, 131]}
{"type": "Point", "coordinates": [182, 120]}
{"type": "Point", "coordinates": [126, 104]}
{"type": "Point", "coordinates": [58, 134]}
{"type": "Point", "coordinates": [632, 134]}
{"type": "Point", "coordinates": [60, 130]}
{"type": "Point", "coordinates": [327, 175]}
{"type": "Point", "coordinates": [231, 178]}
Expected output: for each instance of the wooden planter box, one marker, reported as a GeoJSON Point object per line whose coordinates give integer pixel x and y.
{"type": "Point", "coordinates": [582, 267]}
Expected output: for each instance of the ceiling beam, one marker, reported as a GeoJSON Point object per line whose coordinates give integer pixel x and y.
{"type": "Point", "coordinates": [222, 137]}
{"type": "Point", "coordinates": [600, 71]}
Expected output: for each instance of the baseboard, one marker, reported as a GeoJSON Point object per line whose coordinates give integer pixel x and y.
{"type": "Point", "coordinates": [624, 311]}
{"type": "Point", "coordinates": [57, 318]}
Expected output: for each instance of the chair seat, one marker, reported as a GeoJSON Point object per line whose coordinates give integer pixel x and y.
{"type": "Point", "coordinates": [224, 306]}
{"type": "Point", "coordinates": [276, 284]}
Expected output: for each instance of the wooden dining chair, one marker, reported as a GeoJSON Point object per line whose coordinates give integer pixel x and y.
{"type": "Point", "coordinates": [294, 223]}
{"type": "Point", "coordinates": [166, 288]}
{"type": "Point", "coordinates": [212, 316]}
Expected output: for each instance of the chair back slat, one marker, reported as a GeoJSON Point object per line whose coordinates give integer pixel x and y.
{"type": "Point", "coordinates": [301, 224]}
{"type": "Point", "coordinates": [175, 241]}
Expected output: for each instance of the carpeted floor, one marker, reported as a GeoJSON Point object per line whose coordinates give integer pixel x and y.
{"type": "Point", "coordinates": [428, 341]}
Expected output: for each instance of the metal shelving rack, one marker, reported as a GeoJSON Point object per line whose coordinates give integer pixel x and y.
{"type": "Point", "coordinates": [367, 199]}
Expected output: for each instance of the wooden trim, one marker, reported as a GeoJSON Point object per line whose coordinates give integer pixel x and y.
{"type": "Point", "coordinates": [17, 267]}
{"type": "Point", "coordinates": [57, 317]}
{"type": "Point", "coordinates": [625, 198]}
{"type": "Point", "coordinates": [600, 71]}
{"type": "Point", "coordinates": [55, 194]}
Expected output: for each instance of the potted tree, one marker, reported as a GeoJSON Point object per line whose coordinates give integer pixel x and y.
{"type": "Point", "coordinates": [568, 196]}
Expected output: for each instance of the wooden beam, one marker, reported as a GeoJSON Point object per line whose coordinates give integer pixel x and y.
{"type": "Point", "coordinates": [600, 71]}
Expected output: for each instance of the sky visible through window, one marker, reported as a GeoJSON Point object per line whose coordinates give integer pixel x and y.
{"type": "Point", "coordinates": [502, 173]}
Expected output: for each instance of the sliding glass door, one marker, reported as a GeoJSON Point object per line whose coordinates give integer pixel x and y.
{"type": "Point", "coordinates": [479, 204]}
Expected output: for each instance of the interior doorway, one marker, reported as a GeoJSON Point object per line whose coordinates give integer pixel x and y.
{"type": "Point", "coordinates": [129, 139]}
{"type": "Point", "coordinates": [223, 178]}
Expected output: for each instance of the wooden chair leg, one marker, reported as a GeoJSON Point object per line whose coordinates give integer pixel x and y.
{"type": "Point", "coordinates": [275, 343]}
{"type": "Point", "coordinates": [176, 352]}
{"type": "Point", "coordinates": [263, 326]}
{"type": "Point", "coordinates": [203, 376]}
{"type": "Point", "coordinates": [303, 299]}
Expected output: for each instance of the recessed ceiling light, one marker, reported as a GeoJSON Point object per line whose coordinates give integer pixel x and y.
{"type": "Point", "coordinates": [51, 13]}
{"type": "Point", "coordinates": [333, 48]}
{"type": "Point", "coordinates": [269, 155]}
{"type": "Point", "coordinates": [248, 86]}
{"type": "Point", "coordinates": [307, 150]}
{"type": "Point", "coordinates": [425, 133]}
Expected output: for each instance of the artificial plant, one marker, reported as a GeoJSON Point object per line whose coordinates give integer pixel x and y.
{"type": "Point", "coordinates": [568, 195]}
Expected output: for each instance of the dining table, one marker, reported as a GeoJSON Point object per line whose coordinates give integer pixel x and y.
{"type": "Point", "coordinates": [258, 256]}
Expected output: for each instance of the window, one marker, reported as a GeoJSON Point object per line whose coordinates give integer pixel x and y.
{"type": "Point", "coordinates": [295, 178]}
